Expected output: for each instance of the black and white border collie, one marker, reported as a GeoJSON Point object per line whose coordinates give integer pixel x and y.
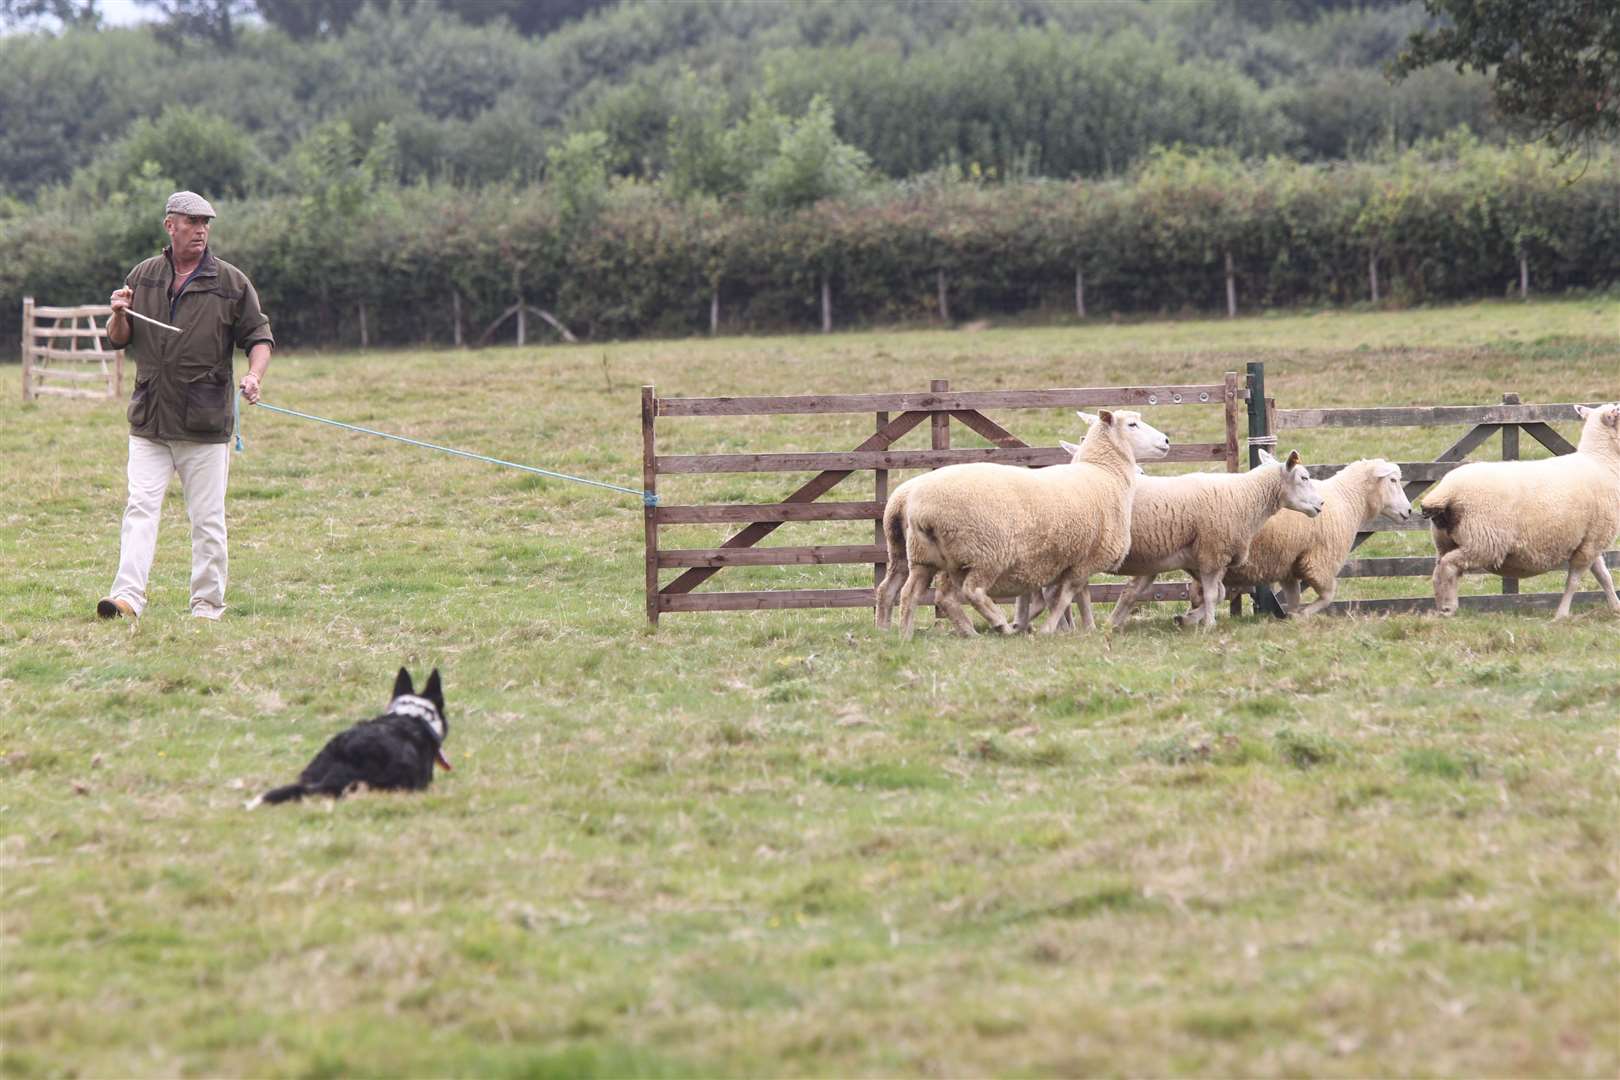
{"type": "Point", "coordinates": [396, 750]}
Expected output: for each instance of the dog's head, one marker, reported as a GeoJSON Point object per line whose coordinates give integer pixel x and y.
{"type": "Point", "coordinates": [428, 706]}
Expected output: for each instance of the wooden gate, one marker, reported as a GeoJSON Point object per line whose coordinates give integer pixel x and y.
{"type": "Point", "coordinates": [65, 350]}
{"type": "Point", "coordinates": [895, 415]}
{"type": "Point", "coordinates": [1486, 422]}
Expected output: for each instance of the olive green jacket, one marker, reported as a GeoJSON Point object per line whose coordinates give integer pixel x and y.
{"type": "Point", "coordinates": [183, 381]}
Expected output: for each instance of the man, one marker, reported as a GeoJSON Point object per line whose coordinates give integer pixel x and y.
{"type": "Point", "coordinates": [180, 413]}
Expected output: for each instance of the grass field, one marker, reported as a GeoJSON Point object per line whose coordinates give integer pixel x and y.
{"type": "Point", "coordinates": [784, 843]}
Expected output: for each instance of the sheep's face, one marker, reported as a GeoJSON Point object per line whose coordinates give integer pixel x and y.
{"type": "Point", "coordinates": [1601, 423]}
{"type": "Point", "coordinates": [1146, 441]}
{"type": "Point", "coordinates": [1393, 501]}
{"type": "Point", "coordinates": [1299, 492]}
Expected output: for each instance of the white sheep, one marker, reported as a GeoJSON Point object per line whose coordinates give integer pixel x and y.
{"type": "Point", "coordinates": [1522, 518]}
{"type": "Point", "coordinates": [985, 526]}
{"type": "Point", "coordinates": [1203, 523]}
{"type": "Point", "coordinates": [1294, 551]}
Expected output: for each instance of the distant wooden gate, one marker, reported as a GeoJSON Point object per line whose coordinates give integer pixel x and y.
{"type": "Point", "coordinates": [63, 350]}
{"type": "Point", "coordinates": [937, 408]}
{"type": "Point", "coordinates": [1487, 421]}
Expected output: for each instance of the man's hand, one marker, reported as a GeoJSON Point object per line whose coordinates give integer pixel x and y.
{"type": "Point", "coordinates": [122, 299]}
{"type": "Point", "coordinates": [250, 388]}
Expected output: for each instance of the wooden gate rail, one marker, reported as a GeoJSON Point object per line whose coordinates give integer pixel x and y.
{"type": "Point", "coordinates": [72, 325]}
{"type": "Point", "coordinates": [1488, 421]}
{"type": "Point", "coordinates": [938, 407]}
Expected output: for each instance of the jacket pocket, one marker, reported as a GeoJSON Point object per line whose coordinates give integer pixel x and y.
{"type": "Point", "coordinates": [207, 402]}
{"type": "Point", "coordinates": [140, 404]}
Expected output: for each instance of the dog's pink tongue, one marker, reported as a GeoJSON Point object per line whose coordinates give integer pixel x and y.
{"type": "Point", "coordinates": [444, 762]}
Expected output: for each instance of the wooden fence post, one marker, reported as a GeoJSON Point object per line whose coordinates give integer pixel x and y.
{"type": "Point", "coordinates": [1259, 427]}
{"type": "Point", "coordinates": [455, 314]}
{"type": "Point", "coordinates": [881, 494]}
{"type": "Point", "coordinates": [826, 305]}
{"type": "Point", "coordinates": [649, 482]}
{"type": "Point", "coordinates": [1231, 289]}
{"type": "Point", "coordinates": [1524, 278]}
{"type": "Point", "coordinates": [1230, 404]}
{"type": "Point", "coordinates": [365, 337]}
{"type": "Point", "coordinates": [28, 348]}
{"type": "Point", "coordinates": [1372, 274]}
{"type": "Point", "coordinates": [944, 302]}
{"type": "Point", "coordinates": [1079, 292]}
{"type": "Point", "coordinates": [714, 312]}
{"type": "Point", "coordinates": [1510, 452]}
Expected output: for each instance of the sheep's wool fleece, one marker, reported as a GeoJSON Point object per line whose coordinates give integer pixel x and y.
{"type": "Point", "coordinates": [1028, 526]}
{"type": "Point", "coordinates": [1296, 547]}
{"type": "Point", "coordinates": [1201, 521]}
{"type": "Point", "coordinates": [1521, 518]}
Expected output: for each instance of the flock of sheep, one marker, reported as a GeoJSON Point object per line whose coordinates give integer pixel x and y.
{"type": "Point", "coordinates": [1040, 534]}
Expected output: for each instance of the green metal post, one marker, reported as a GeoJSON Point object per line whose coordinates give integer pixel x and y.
{"type": "Point", "coordinates": [1264, 601]}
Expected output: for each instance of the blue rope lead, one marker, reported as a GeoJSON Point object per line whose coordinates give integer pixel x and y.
{"type": "Point", "coordinates": [236, 419]}
{"type": "Point", "coordinates": [647, 498]}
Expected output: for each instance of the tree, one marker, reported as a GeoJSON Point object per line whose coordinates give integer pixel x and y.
{"type": "Point", "coordinates": [306, 19]}
{"type": "Point", "coordinates": [811, 163]}
{"type": "Point", "coordinates": [1556, 62]}
{"type": "Point", "coordinates": [532, 18]}
{"type": "Point", "coordinates": [213, 21]}
{"type": "Point", "coordinates": [69, 13]}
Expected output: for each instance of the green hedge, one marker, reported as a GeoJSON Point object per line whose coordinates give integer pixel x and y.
{"type": "Point", "coordinates": [1446, 223]}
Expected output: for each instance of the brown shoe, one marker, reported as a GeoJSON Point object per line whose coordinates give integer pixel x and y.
{"type": "Point", "coordinates": [110, 608]}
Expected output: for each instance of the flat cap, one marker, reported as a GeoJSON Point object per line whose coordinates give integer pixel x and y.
{"type": "Point", "coordinates": [189, 203]}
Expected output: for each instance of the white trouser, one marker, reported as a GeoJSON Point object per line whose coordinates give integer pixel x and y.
{"type": "Point", "coordinates": [203, 469]}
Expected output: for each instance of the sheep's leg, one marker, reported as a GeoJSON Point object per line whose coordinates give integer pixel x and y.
{"type": "Point", "coordinates": [1127, 599]}
{"type": "Point", "coordinates": [1571, 583]}
{"type": "Point", "coordinates": [1083, 594]}
{"type": "Point", "coordinates": [889, 590]}
{"type": "Point", "coordinates": [1209, 590]}
{"type": "Point", "coordinates": [1600, 570]}
{"type": "Point", "coordinates": [917, 583]}
{"type": "Point", "coordinates": [975, 587]}
{"type": "Point", "coordinates": [1448, 571]}
{"type": "Point", "coordinates": [1030, 605]}
{"type": "Point", "coordinates": [1324, 597]}
{"type": "Point", "coordinates": [1065, 597]}
{"type": "Point", "coordinates": [1212, 594]}
{"type": "Point", "coordinates": [1292, 601]}
{"type": "Point", "coordinates": [948, 603]}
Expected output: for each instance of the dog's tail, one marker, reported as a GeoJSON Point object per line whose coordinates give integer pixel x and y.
{"type": "Point", "coordinates": [285, 794]}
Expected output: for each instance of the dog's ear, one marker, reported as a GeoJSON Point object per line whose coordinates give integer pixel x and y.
{"type": "Point", "coordinates": [433, 693]}
{"type": "Point", "coordinates": [402, 684]}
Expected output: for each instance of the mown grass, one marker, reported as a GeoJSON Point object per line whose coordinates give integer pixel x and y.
{"type": "Point", "coordinates": [783, 843]}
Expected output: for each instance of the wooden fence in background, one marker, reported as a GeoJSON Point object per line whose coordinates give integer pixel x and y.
{"type": "Point", "coordinates": [1484, 423]}
{"type": "Point", "coordinates": [895, 415]}
{"type": "Point", "coordinates": [66, 349]}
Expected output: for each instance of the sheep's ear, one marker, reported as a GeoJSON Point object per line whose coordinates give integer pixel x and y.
{"type": "Point", "coordinates": [1069, 448]}
{"type": "Point", "coordinates": [1293, 459]}
{"type": "Point", "coordinates": [1089, 418]}
{"type": "Point", "coordinates": [1265, 457]}
{"type": "Point", "coordinates": [1582, 411]}
{"type": "Point", "coordinates": [1105, 416]}
{"type": "Point", "coordinates": [1611, 416]}
{"type": "Point", "coordinates": [1386, 468]}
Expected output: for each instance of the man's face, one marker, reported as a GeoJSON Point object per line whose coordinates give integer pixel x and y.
{"type": "Point", "coordinates": [188, 233]}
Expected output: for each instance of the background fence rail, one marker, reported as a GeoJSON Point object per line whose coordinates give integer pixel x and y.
{"type": "Point", "coordinates": [46, 348]}
{"type": "Point", "coordinates": [1486, 422]}
{"type": "Point", "coordinates": [895, 416]}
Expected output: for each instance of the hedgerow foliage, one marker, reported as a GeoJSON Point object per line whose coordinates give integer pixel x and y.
{"type": "Point", "coordinates": [620, 258]}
